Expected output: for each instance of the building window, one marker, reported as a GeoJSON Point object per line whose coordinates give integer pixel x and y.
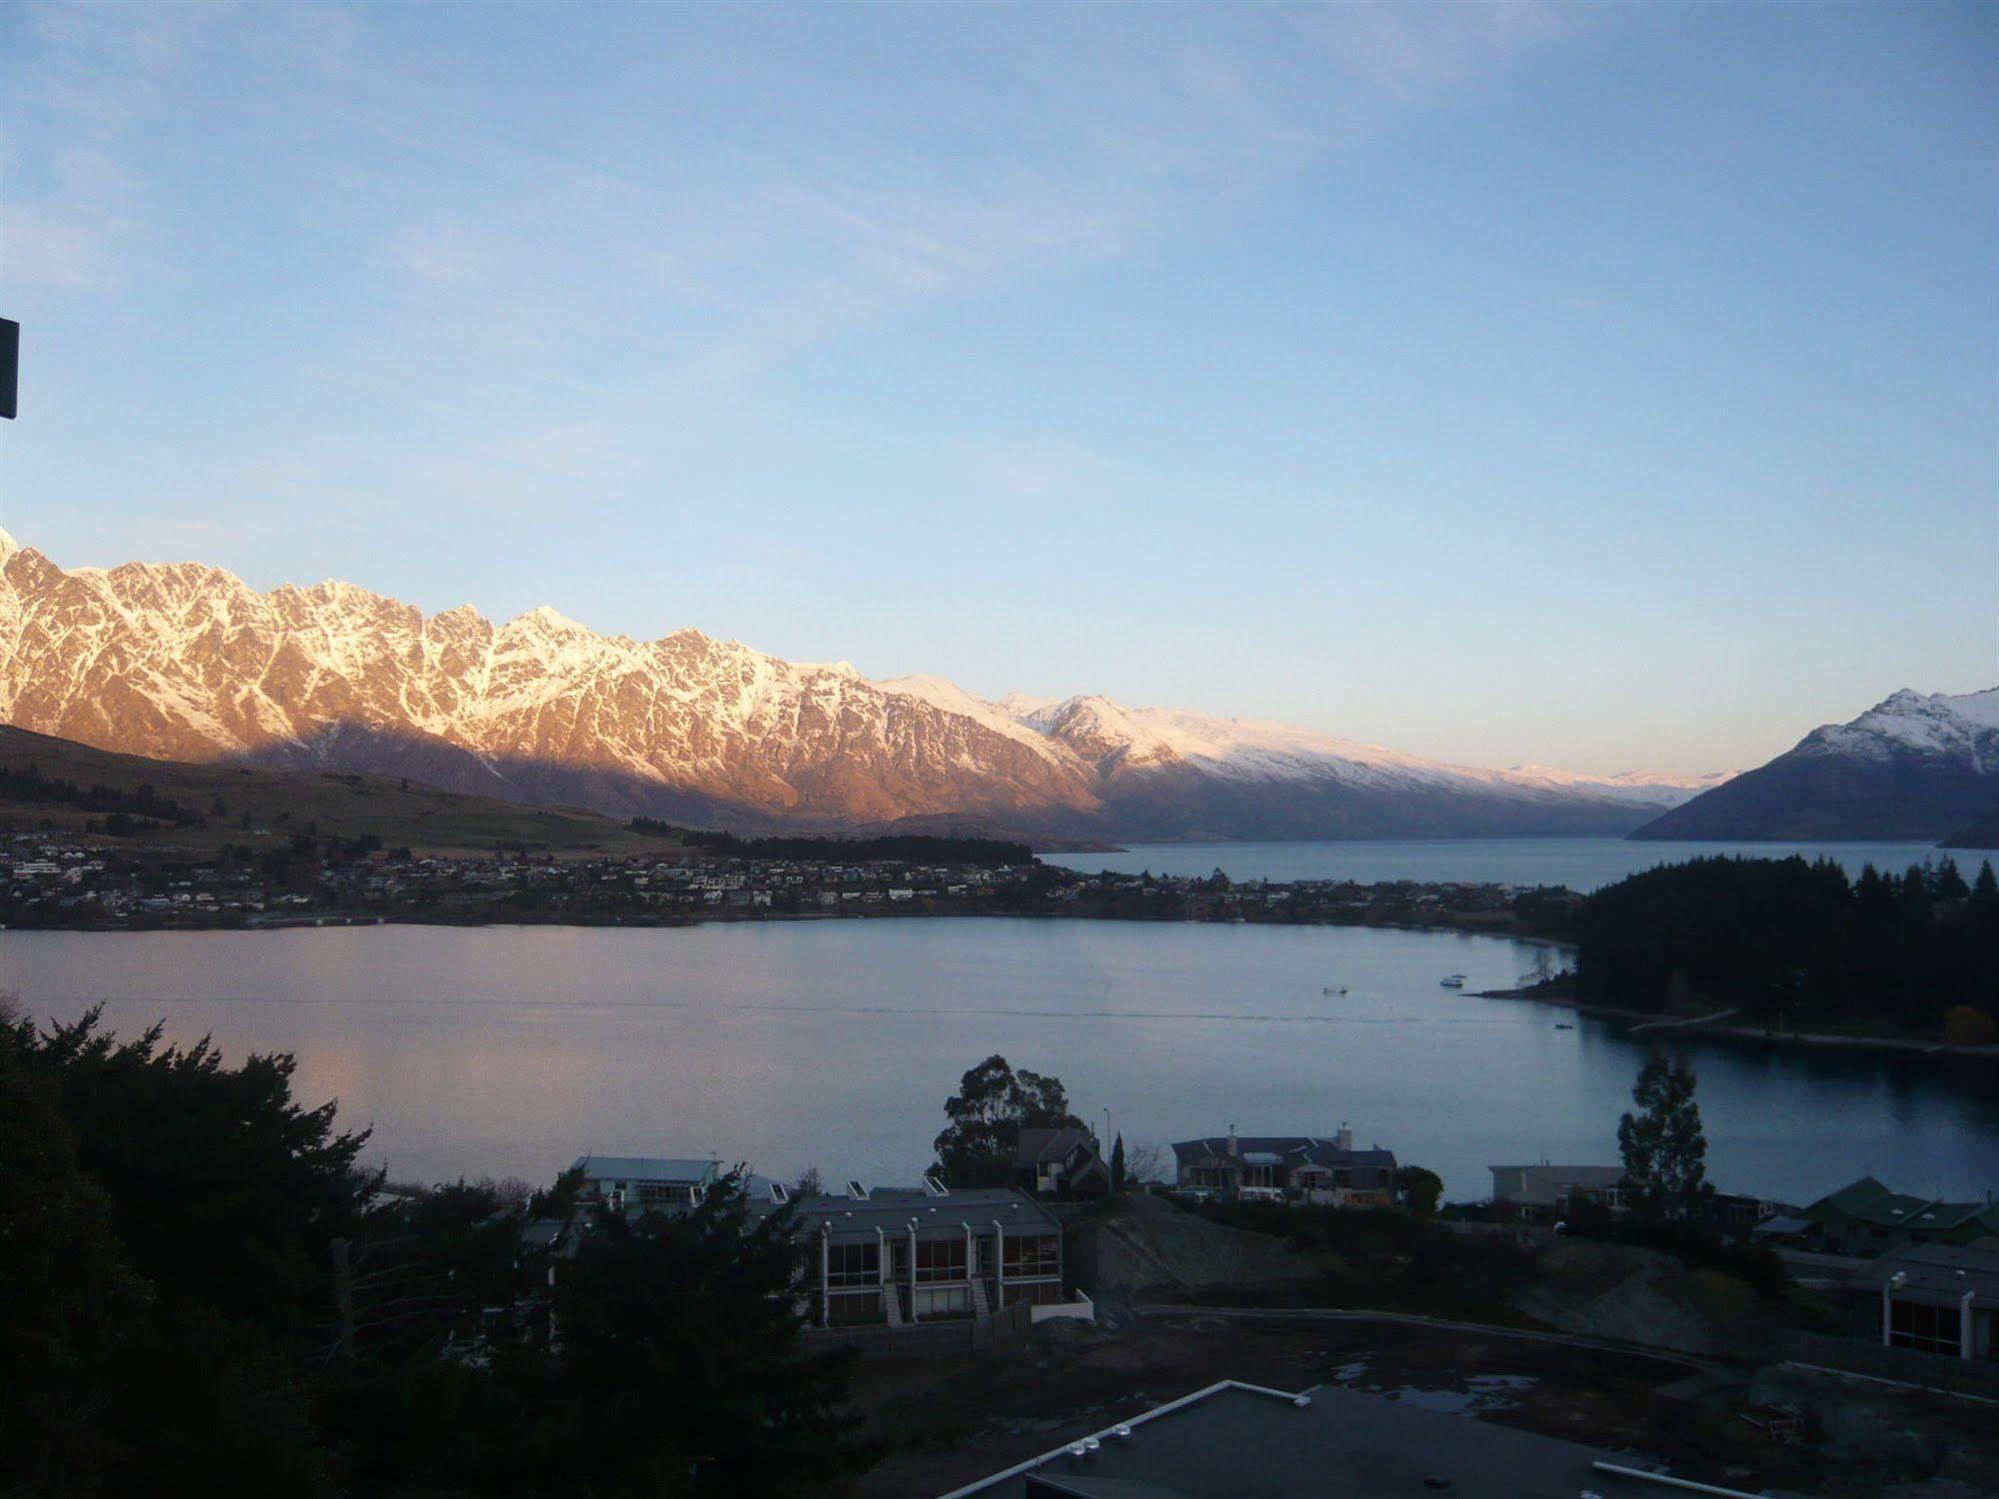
{"type": "Point", "coordinates": [853, 1307]}
{"type": "Point", "coordinates": [1029, 1255]}
{"type": "Point", "coordinates": [655, 1193]}
{"type": "Point", "coordinates": [1035, 1293]}
{"type": "Point", "coordinates": [1933, 1329]}
{"type": "Point", "coordinates": [943, 1301]}
{"type": "Point", "coordinates": [941, 1259]}
{"type": "Point", "coordinates": [852, 1265]}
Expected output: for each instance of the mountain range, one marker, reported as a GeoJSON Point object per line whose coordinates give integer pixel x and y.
{"type": "Point", "coordinates": [184, 661]}
{"type": "Point", "coordinates": [1914, 766]}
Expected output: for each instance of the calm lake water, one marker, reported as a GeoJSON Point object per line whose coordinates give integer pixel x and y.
{"type": "Point", "coordinates": [511, 1050]}
{"type": "Point", "coordinates": [1580, 863]}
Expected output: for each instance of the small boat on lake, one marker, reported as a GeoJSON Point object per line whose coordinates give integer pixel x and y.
{"type": "Point", "coordinates": [1454, 981]}
{"type": "Point", "coordinates": [1329, 989]}
{"type": "Point", "coordinates": [1563, 1025]}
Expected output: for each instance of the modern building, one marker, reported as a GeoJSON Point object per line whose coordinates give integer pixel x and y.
{"type": "Point", "coordinates": [1536, 1190]}
{"type": "Point", "coordinates": [640, 1182]}
{"type": "Point", "coordinates": [1866, 1218]}
{"type": "Point", "coordinates": [898, 1256]}
{"type": "Point", "coordinates": [1288, 1168]}
{"type": "Point", "coordinates": [1235, 1439]}
{"type": "Point", "coordinates": [1935, 1298]}
{"type": "Point", "coordinates": [1060, 1163]}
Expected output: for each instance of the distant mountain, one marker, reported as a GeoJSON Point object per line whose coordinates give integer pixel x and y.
{"type": "Point", "coordinates": [1983, 833]}
{"type": "Point", "coordinates": [1910, 767]}
{"type": "Point", "coordinates": [186, 662]}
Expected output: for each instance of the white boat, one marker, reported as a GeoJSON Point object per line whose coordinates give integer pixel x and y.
{"type": "Point", "coordinates": [1329, 989]}
{"type": "Point", "coordinates": [1454, 981]}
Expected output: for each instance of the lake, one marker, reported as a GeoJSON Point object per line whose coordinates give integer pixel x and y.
{"type": "Point", "coordinates": [511, 1050]}
{"type": "Point", "coordinates": [1582, 864]}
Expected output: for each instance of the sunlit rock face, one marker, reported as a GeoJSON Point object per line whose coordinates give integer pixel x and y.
{"type": "Point", "coordinates": [182, 661]}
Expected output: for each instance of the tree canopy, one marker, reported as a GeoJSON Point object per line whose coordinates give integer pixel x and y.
{"type": "Point", "coordinates": [1787, 940]}
{"type": "Point", "coordinates": [992, 1106]}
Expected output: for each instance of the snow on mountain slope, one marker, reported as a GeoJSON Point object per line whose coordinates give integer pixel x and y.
{"type": "Point", "coordinates": [1254, 749]}
{"type": "Point", "coordinates": [182, 661]}
{"type": "Point", "coordinates": [1936, 723]}
{"type": "Point", "coordinates": [185, 662]}
{"type": "Point", "coordinates": [1914, 766]}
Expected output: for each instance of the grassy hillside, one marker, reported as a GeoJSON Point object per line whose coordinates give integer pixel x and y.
{"type": "Point", "coordinates": [238, 804]}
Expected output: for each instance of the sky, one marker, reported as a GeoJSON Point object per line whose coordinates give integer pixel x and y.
{"type": "Point", "coordinates": [1609, 387]}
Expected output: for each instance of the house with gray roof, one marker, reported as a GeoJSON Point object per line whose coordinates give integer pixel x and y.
{"type": "Point", "coordinates": [1060, 1163]}
{"type": "Point", "coordinates": [1317, 1169]}
{"type": "Point", "coordinates": [1535, 1191]}
{"type": "Point", "coordinates": [1866, 1217]}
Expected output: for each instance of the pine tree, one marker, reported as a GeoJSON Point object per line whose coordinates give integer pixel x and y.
{"type": "Point", "coordinates": [1664, 1148]}
{"type": "Point", "coordinates": [1117, 1163]}
{"type": "Point", "coordinates": [1949, 884]}
{"type": "Point", "coordinates": [1986, 890]}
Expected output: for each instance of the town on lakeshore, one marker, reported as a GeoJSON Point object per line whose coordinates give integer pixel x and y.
{"type": "Point", "coordinates": [53, 881]}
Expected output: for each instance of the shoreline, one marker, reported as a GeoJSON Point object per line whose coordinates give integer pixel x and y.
{"type": "Point", "coordinates": [310, 921]}
{"type": "Point", "coordinates": [1642, 1020]}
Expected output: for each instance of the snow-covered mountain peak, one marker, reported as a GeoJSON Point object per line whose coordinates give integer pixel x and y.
{"type": "Point", "coordinates": [1927, 723]}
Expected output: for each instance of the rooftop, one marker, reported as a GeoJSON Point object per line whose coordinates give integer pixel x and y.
{"type": "Point", "coordinates": [1238, 1440]}
{"type": "Point", "coordinates": [1870, 1201]}
{"type": "Point", "coordinates": [646, 1168]}
{"type": "Point", "coordinates": [1271, 1150]}
{"type": "Point", "coordinates": [890, 1211]}
{"type": "Point", "coordinates": [1934, 1271]}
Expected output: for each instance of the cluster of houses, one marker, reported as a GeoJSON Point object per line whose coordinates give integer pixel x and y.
{"type": "Point", "coordinates": [1912, 1272]}
{"type": "Point", "coordinates": [896, 1258]}
{"type": "Point", "coordinates": [61, 880]}
{"type": "Point", "coordinates": [1918, 1272]}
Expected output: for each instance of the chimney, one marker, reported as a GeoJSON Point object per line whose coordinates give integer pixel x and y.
{"type": "Point", "coordinates": [1234, 1149]}
{"type": "Point", "coordinates": [1344, 1139]}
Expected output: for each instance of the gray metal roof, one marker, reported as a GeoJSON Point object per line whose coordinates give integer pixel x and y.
{"type": "Point", "coordinates": [936, 1217]}
{"type": "Point", "coordinates": [646, 1168]}
{"type": "Point", "coordinates": [1936, 1272]}
{"type": "Point", "coordinates": [1237, 1441]}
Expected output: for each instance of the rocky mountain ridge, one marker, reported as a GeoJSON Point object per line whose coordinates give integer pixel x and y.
{"type": "Point", "coordinates": [187, 662]}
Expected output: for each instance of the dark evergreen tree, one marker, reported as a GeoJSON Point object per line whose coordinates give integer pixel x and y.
{"type": "Point", "coordinates": [1117, 1163]}
{"type": "Point", "coordinates": [1663, 1145]}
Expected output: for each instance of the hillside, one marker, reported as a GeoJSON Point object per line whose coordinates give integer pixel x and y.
{"type": "Point", "coordinates": [1984, 833]}
{"type": "Point", "coordinates": [184, 661]}
{"type": "Point", "coordinates": [257, 806]}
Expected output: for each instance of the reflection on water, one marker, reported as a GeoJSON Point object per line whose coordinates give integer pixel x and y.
{"type": "Point", "coordinates": [510, 1050]}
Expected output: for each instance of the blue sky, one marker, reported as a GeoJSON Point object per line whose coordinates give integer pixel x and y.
{"type": "Point", "coordinates": [1599, 386]}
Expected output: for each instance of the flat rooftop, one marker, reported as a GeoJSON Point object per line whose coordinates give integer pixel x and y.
{"type": "Point", "coordinates": [1239, 1443]}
